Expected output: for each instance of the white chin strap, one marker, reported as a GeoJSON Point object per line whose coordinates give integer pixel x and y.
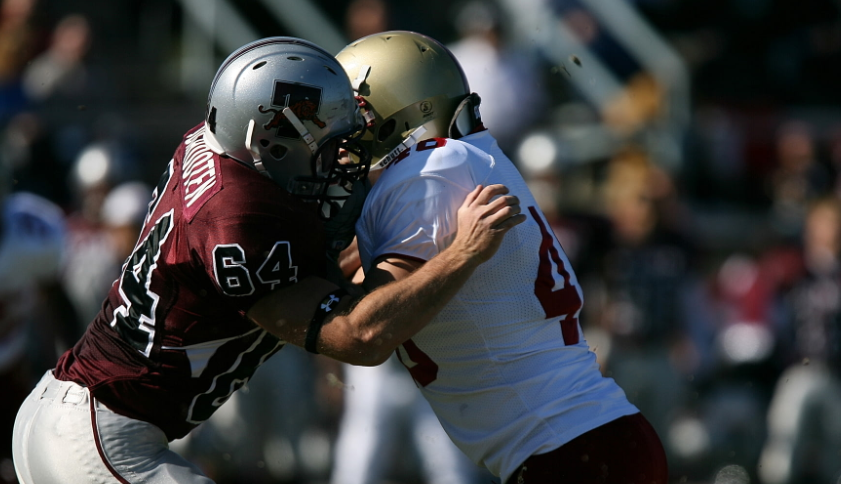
{"type": "Point", "coordinates": [255, 154]}
{"type": "Point", "coordinates": [360, 77]}
{"type": "Point", "coordinates": [407, 143]}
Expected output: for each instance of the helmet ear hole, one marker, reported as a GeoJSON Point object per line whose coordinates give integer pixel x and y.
{"type": "Point", "coordinates": [278, 152]}
{"type": "Point", "coordinates": [386, 130]}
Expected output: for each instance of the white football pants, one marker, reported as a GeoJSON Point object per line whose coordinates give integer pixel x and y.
{"type": "Point", "coordinates": [63, 435]}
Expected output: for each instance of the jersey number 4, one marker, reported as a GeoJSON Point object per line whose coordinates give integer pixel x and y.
{"type": "Point", "coordinates": [553, 288]}
{"type": "Point", "coordinates": [135, 318]}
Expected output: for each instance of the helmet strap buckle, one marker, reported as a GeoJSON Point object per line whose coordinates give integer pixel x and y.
{"type": "Point", "coordinates": [302, 130]}
{"type": "Point", "coordinates": [407, 143]}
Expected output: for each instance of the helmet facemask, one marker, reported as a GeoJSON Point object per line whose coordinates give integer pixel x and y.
{"type": "Point", "coordinates": [336, 166]}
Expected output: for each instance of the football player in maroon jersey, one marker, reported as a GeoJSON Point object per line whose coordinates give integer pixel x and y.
{"type": "Point", "coordinates": [230, 265]}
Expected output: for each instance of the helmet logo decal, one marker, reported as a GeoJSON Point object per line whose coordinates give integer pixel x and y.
{"type": "Point", "coordinates": [426, 107]}
{"type": "Point", "coordinates": [303, 100]}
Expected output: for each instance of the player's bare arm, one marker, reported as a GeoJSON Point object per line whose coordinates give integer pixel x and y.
{"type": "Point", "coordinates": [349, 261]}
{"type": "Point", "coordinates": [365, 331]}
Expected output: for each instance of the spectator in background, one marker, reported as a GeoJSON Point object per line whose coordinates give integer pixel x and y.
{"type": "Point", "coordinates": [101, 221]}
{"type": "Point", "coordinates": [60, 70]}
{"type": "Point", "coordinates": [365, 17]}
{"type": "Point", "coordinates": [60, 121]}
{"type": "Point", "coordinates": [733, 337]}
{"type": "Point", "coordinates": [833, 151]}
{"type": "Point", "coordinates": [640, 289]}
{"type": "Point", "coordinates": [123, 212]}
{"type": "Point", "coordinates": [804, 419]}
{"type": "Point", "coordinates": [507, 78]}
{"type": "Point", "coordinates": [98, 168]}
{"type": "Point", "coordinates": [18, 44]}
{"type": "Point", "coordinates": [36, 317]}
{"type": "Point", "coordinates": [76, 104]}
{"type": "Point", "coordinates": [98, 249]}
{"type": "Point", "coordinates": [798, 177]}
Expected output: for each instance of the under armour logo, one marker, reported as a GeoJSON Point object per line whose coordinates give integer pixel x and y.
{"type": "Point", "coordinates": [329, 302]}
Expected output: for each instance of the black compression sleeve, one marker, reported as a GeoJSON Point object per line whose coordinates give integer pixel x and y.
{"type": "Point", "coordinates": [321, 312]}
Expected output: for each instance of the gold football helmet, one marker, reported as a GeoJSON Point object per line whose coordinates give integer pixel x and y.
{"type": "Point", "coordinates": [412, 88]}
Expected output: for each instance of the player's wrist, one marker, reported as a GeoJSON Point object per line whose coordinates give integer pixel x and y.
{"type": "Point", "coordinates": [462, 255]}
{"type": "Point", "coordinates": [328, 304]}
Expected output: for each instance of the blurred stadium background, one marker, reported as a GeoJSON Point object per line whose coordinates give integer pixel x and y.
{"type": "Point", "coordinates": [688, 151]}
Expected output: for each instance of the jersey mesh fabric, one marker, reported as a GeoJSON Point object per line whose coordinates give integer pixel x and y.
{"type": "Point", "coordinates": [172, 342]}
{"type": "Point", "coordinates": [493, 364]}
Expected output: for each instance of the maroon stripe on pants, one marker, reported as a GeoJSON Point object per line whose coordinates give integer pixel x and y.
{"type": "Point", "coordinates": [624, 451]}
{"type": "Point", "coordinates": [99, 448]}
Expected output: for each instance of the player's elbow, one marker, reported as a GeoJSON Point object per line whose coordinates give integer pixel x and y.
{"type": "Point", "coordinates": [371, 349]}
{"type": "Point", "coordinates": [362, 347]}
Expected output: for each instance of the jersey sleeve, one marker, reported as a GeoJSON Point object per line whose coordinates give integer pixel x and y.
{"type": "Point", "coordinates": [415, 216]}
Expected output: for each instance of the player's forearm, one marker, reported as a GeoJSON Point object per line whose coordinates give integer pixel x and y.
{"type": "Point", "coordinates": [367, 330]}
{"type": "Point", "coordinates": [393, 313]}
{"type": "Point", "coordinates": [367, 333]}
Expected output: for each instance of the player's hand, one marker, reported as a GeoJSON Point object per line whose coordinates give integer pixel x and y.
{"type": "Point", "coordinates": [484, 218]}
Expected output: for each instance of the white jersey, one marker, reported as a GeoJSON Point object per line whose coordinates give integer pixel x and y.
{"type": "Point", "coordinates": [504, 365]}
{"type": "Point", "coordinates": [31, 245]}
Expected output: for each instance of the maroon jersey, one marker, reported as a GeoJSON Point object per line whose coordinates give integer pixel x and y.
{"type": "Point", "coordinates": [172, 342]}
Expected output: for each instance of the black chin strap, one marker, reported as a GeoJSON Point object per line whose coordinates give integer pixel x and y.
{"type": "Point", "coordinates": [466, 117]}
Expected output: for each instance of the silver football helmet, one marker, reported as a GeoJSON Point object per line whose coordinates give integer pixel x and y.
{"type": "Point", "coordinates": [286, 107]}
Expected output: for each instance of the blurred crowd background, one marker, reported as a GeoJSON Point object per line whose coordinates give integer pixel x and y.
{"type": "Point", "coordinates": [688, 152]}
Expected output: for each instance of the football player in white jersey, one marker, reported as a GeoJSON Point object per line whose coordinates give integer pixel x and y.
{"type": "Point", "coordinates": [504, 364]}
